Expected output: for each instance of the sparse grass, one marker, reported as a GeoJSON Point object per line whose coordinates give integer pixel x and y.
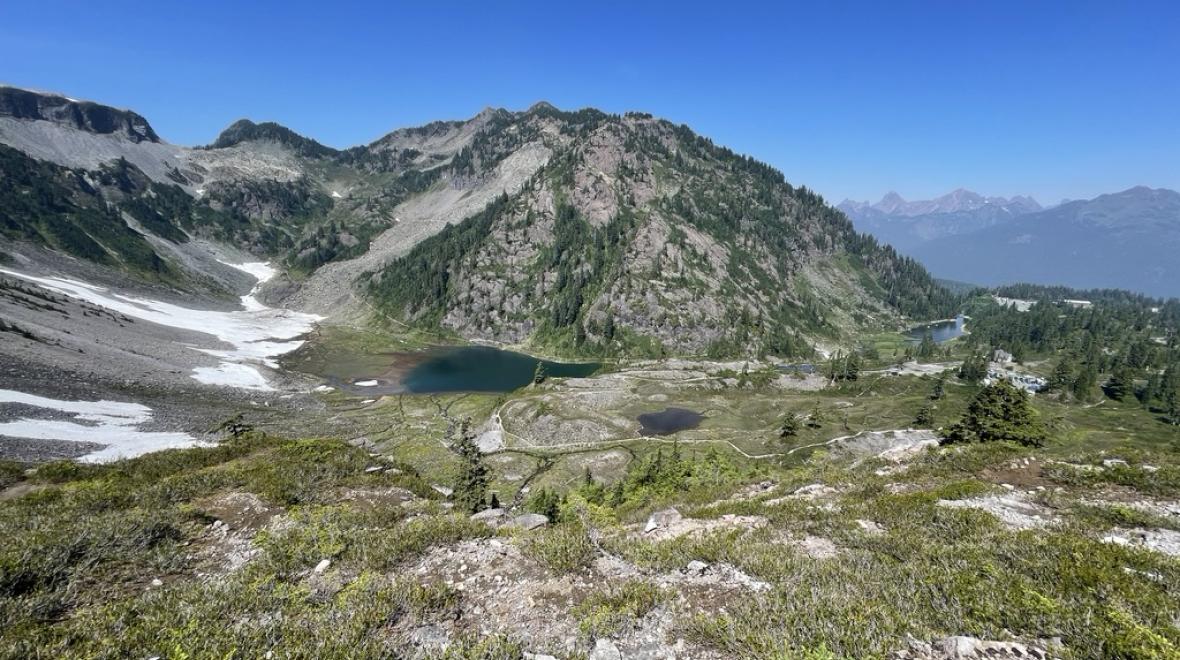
{"type": "Point", "coordinates": [1117, 515]}
{"type": "Point", "coordinates": [562, 548]}
{"type": "Point", "coordinates": [80, 551]}
{"type": "Point", "coordinates": [604, 613]}
{"type": "Point", "coordinates": [82, 547]}
{"type": "Point", "coordinates": [11, 473]}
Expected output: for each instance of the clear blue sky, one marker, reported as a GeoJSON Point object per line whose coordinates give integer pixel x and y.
{"type": "Point", "coordinates": [1053, 99]}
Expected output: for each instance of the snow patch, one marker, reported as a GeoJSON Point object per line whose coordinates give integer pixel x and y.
{"type": "Point", "coordinates": [250, 331]}
{"type": "Point", "coordinates": [231, 374]}
{"type": "Point", "coordinates": [366, 383]}
{"type": "Point", "coordinates": [336, 194]}
{"type": "Point", "coordinates": [111, 423]}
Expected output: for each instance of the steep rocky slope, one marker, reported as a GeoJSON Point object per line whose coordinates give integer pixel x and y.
{"type": "Point", "coordinates": [575, 231]}
{"type": "Point", "coordinates": [638, 236]}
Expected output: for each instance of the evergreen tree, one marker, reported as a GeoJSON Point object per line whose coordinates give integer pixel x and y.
{"type": "Point", "coordinates": [539, 373]}
{"type": "Point", "coordinates": [925, 417]}
{"type": "Point", "coordinates": [939, 390]}
{"type": "Point", "coordinates": [1085, 382]}
{"type": "Point", "coordinates": [999, 412]}
{"type": "Point", "coordinates": [545, 502]}
{"type": "Point", "coordinates": [1062, 378]}
{"type": "Point", "coordinates": [618, 493]}
{"type": "Point", "coordinates": [1170, 393]}
{"type": "Point", "coordinates": [974, 368]}
{"type": "Point", "coordinates": [816, 419]}
{"type": "Point", "coordinates": [471, 484]}
{"type": "Point", "coordinates": [852, 367]}
{"type": "Point", "coordinates": [927, 347]}
{"type": "Point", "coordinates": [1121, 384]}
{"type": "Point", "coordinates": [790, 427]}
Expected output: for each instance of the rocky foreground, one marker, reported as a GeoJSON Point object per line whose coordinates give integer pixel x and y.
{"type": "Point", "coordinates": [883, 545]}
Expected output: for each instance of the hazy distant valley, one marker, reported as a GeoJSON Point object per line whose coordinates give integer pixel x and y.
{"type": "Point", "coordinates": [1124, 240]}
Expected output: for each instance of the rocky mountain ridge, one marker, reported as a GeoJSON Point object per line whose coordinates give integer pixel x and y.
{"type": "Point", "coordinates": [577, 231]}
{"type": "Point", "coordinates": [906, 225]}
{"type": "Point", "coordinates": [82, 115]}
{"type": "Point", "coordinates": [956, 201]}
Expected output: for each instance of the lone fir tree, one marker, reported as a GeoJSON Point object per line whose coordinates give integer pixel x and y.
{"type": "Point", "coordinates": [999, 412]}
{"type": "Point", "coordinates": [471, 483]}
{"type": "Point", "coordinates": [790, 427]}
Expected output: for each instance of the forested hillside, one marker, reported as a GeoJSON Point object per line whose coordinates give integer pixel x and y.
{"type": "Point", "coordinates": [640, 237]}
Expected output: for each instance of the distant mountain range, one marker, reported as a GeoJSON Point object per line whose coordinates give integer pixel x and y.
{"type": "Point", "coordinates": [905, 225]}
{"type": "Point", "coordinates": [1128, 240]}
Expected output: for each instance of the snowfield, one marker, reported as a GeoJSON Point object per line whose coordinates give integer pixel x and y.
{"type": "Point", "coordinates": [111, 423]}
{"type": "Point", "coordinates": [257, 333]}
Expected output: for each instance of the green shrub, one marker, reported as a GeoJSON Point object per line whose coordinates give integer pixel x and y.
{"type": "Point", "coordinates": [605, 613]}
{"type": "Point", "coordinates": [563, 548]}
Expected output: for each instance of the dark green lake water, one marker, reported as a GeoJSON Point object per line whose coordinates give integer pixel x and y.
{"type": "Point", "coordinates": [669, 421]}
{"type": "Point", "coordinates": [483, 369]}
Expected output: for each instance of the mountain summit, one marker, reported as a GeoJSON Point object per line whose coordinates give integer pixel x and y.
{"type": "Point", "coordinates": [906, 225]}
{"type": "Point", "coordinates": [27, 105]}
{"type": "Point", "coordinates": [956, 201]}
{"type": "Point", "coordinates": [579, 232]}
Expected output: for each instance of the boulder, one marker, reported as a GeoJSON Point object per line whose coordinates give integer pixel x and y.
{"type": "Point", "coordinates": [696, 567]}
{"type": "Point", "coordinates": [529, 521]}
{"type": "Point", "coordinates": [490, 515]}
{"type": "Point", "coordinates": [604, 649]}
{"type": "Point", "coordinates": [662, 518]}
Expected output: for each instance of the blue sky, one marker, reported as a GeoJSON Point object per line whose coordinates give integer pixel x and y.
{"type": "Point", "coordinates": [1054, 99]}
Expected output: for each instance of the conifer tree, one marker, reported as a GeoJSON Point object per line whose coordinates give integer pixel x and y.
{"type": "Point", "coordinates": [925, 417]}
{"type": "Point", "coordinates": [1062, 378]}
{"type": "Point", "coordinates": [999, 412]}
{"type": "Point", "coordinates": [471, 484]}
{"type": "Point", "coordinates": [1121, 384]}
{"type": "Point", "coordinates": [939, 390]}
{"type": "Point", "coordinates": [816, 419]}
{"type": "Point", "coordinates": [790, 427]}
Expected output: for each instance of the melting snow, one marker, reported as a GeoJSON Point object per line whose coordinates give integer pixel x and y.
{"type": "Point", "coordinates": [366, 383]}
{"type": "Point", "coordinates": [251, 331]}
{"type": "Point", "coordinates": [112, 423]}
{"type": "Point", "coordinates": [336, 194]}
{"type": "Point", "coordinates": [232, 374]}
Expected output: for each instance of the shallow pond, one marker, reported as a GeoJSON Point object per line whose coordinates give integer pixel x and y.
{"type": "Point", "coordinates": [941, 331]}
{"type": "Point", "coordinates": [669, 421]}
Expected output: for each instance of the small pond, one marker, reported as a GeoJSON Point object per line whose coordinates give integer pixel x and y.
{"type": "Point", "coordinates": [669, 421]}
{"type": "Point", "coordinates": [941, 331]}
